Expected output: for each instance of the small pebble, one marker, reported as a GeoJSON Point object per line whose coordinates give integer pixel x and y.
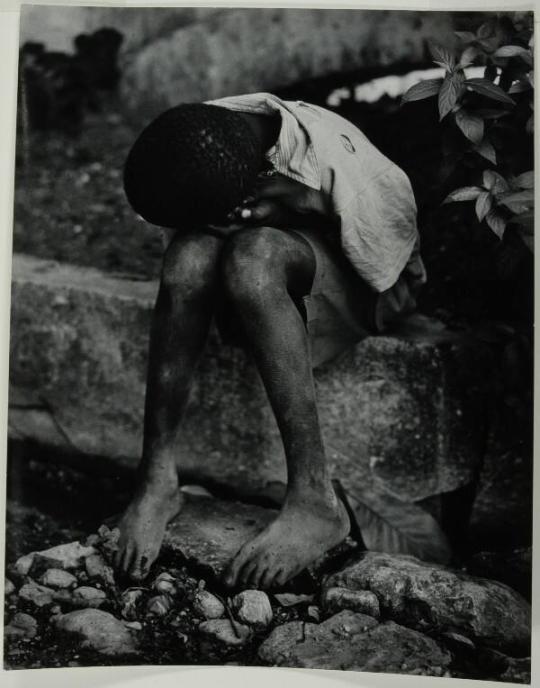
{"type": "Point", "coordinates": [165, 583]}
{"type": "Point", "coordinates": [362, 601]}
{"type": "Point", "coordinates": [160, 605]}
{"type": "Point", "coordinates": [9, 588]}
{"type": "Point", "coordinates": [129, 602]}
{"type": "Point", "coordinates": [253, 607]}
{"type": "Point", "coordinates": [222, 630]}
{"type": "Point", "coordinates": [23, 565]}
{"type": "Point", "coordinates": [207, 605]}
{"type": "Point", "coordinates": [314, 613]}
{"type": "Point", "coordinates": [86, 596]}
{"type": "Point", "coordinates": [97, 568]}
{"type": "Point", "coordinates": [135, 625]}
{"type": "Point", "coordinates": [21, 626]}
{"type": "Point", "coordinates": [58, 578]}
{"type": "Point", "coordinates": [196, 490]}
{"type": "Point", "coordinates": [38, 595]}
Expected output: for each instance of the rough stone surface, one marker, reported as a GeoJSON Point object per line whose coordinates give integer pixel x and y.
{"type": "Point", "coordinates": [58, 578]}
{"type": "Point", "coordinates": [402, 414]}
{"type": "Point", "coordinates": [97, 568]}
{"type": "Point", "coordinates": [97, 630]}
{"type": "Point", "coordinates": [223, 631]}
{"type": "Point", "coordinates": [210, 532]}
{"type": "Point", "coordinates": [86, 596]}
{"type": "Point", "coordinates": [253, 608]}
{"type": "Point", "coordinates": [426, 596]}
{"type": "Point", "coordinates": [354, 641]}
{"type": "Point", "coordinates": [22, 566]}
{"type": "Point", "coordinates": [21, 626]}
{"type": "Point", "coordinates": [35, 594]}
{"type": "Point", "coordinates": [363, 601]}
{"type": "Point", "coordinates": [67, 556]}
{"type": "Point", "coordinates": [207, 605]}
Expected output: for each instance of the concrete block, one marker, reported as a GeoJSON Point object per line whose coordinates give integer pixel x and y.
{"type": "Point", "coordinates": [407, 415]}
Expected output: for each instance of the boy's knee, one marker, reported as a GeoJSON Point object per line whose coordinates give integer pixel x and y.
{"type": "Point", "coordinates": [252, 261]}
{"type": "Point", "coordinates": [189, 262]}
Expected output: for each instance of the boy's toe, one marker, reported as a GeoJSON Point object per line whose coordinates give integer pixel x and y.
{"type": "Point", "coordinates": [267, 577]}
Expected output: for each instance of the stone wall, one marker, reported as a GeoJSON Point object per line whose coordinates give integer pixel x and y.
{"type": "Point", "coordinates": [173, 55]}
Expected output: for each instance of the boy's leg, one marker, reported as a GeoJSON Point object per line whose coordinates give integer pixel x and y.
{"type": "Point", "coordinates": [181, 320]}
{"type": "Point", "coordinates": [263, 268]}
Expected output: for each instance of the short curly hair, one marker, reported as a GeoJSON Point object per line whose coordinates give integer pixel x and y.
{"type": "Point", "coordinates": [192, 165]}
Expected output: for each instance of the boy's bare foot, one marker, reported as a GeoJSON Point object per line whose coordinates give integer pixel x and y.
{"type": "Point", "coordinates": [142, 528]}
{"type": "Point", "coordinates": [299, 535]}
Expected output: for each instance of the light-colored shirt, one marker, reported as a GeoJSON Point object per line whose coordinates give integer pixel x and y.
{"type": "Point", "coordinates": [367, 193]}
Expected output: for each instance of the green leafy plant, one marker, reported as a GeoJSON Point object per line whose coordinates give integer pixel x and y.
{"type": "Point", "coordinates": [483, 109]}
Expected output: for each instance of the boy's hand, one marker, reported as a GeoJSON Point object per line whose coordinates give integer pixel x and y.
{"type": "Point", "coordinates": [277, 201]}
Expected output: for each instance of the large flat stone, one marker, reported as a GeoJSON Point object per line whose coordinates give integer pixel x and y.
{"type": "Point", "coordinates": [403, 414]}
{"type": "Point", "coordinates": [209, 532]}
{"type": "Point", "coordinates": [353, 641]}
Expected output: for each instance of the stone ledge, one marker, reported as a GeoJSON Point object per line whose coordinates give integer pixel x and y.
{"type": "Point", "coordinates": [404, 414]}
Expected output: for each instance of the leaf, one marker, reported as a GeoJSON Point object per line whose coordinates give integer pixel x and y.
{"type": "Point", "coordinates": [491, 113]}
{"type": "Point", "coordinates": [468, 56]}
{"type": "Point", "coordinates": [442, 56]}
{"type": "Point", "coordinates": [510, 51]}
{"type": "Point", "coordinates": [526, 196]}
{"type": "Point", "coordinates": [465, 36]}
{"type": "Point", "coordinates": [527, 239]}
{"type": "Point", "coordinates": [289, 599]}
{"type": "Point", "coordinates": [389, 525]}
{"type": "Point", "coordinates": [485, 88]}
{"type": "Point", "coordinates": [470, 125]}
{"type": "Point", "coordinates": [486, 150]}
{"type": "Point", "coordinates": [494, 182]}
{"type": "Point", "coordinates": [496, 223]}
{"type": "Point", "coordinates": [525, 180]}
{"type": "Point", "coordinates": [520, 86]}
{"type": "Point", "coordinates": [465, 193]}
{"type": "Point", "coordinates": [484, 202]}
{"type": "Point", "coordinates": [424, 89]}
{"type": "Point", "coordinates": [449, 92]}
{"type": "Point", "coordinates": [486, 30]}
{"type": "Point", "coordinates": [525, 221]}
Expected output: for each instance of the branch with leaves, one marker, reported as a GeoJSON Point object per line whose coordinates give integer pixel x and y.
{"type": "Point", "coordinates": [505, 49]}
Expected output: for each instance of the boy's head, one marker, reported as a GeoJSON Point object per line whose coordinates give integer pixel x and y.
{"type": "Point", "coordinates": [192, 166]}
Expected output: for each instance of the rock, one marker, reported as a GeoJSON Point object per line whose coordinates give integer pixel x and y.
{"type": "Point", "coordinates": [336, 599]}
{"type": "Point", "coordinates": [68, 556]}
{"type": "Point", "coordinates": [423, 596]}
{"type": "Point", "coordinates": [195, 490]}
{"type": "Point", "coordinates": [517, 671]}
{"type": "Point", "coordinates": [21, 626]}
{"type": "Point", "coordinates": [98, 569]}
{"type": "Point", "coordinates": [314, 613]}
{"type": "Point", "coordinates": [9, 588]}
{"type": "Point", "coordinates": [57, 578]}
{"type": "Point", "coordinates": [22, 566]}
{"type": "Point", "coordinates": [128, 603]}
{"type": "Point", "coordinates": [35, 594]}
{"type": "Point", "coordinates": [134, 625]}
{"type": "Point", "coordinates": [207, 605]}
{"type": "Point", "coordinates": [165, 584]}
{"type": "Point", "coordinates": [354, 641]}
{"type": "Point", "coordinates": [253, 608]}
{"type": "Point", "coordinates": [160, 605]}
{"type": "Point", "coordinates": [86, 596]}
{"type": "Point", "coordinates": [289, 599]}
{"type": "Point", "coordinates": [210, 531]}
{"type": "Point", "coordinates": [98, 631]}
{"type": "Point", "coordinates": [223, 630]}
